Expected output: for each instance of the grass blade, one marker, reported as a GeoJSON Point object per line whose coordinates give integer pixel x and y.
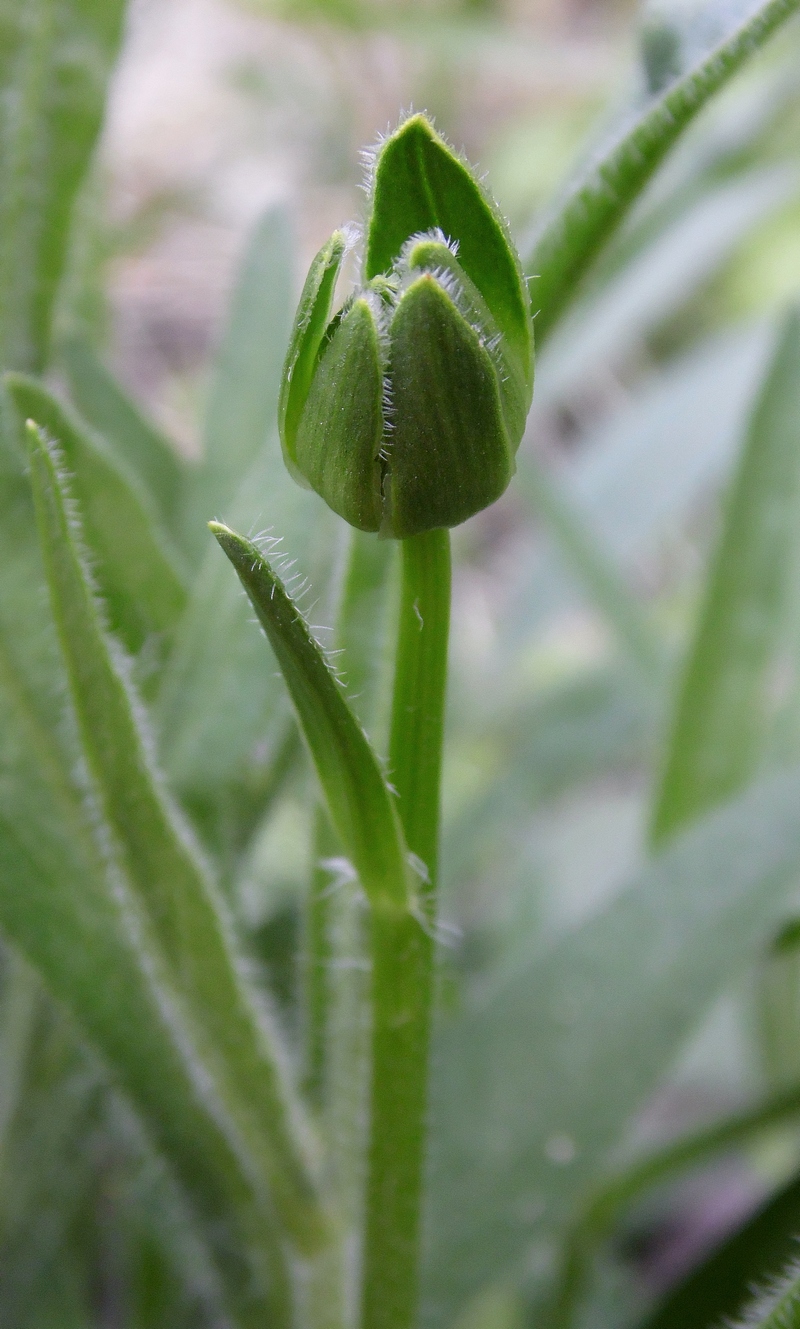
{"type": "Point", "coordinates": [135, 565]}
{"type": "Point", "coordinates": [571, 237]}
{"type": "Point", "coordinates": [55, 59]}
{"type": "Point", "coordinates": [174, 892]}
{"type": "Point", "coordinates": [720, 719]}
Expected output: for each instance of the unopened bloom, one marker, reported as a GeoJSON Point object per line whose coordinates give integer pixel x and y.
{"type": "Point", "coordinates": [405, 409]}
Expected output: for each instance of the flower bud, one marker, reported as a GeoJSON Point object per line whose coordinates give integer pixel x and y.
{"type": "Point", "coordinates": [405, 410]}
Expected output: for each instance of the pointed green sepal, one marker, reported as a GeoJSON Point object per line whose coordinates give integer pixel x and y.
{"type": "Point", "coordinates": [308, 336]}
{"type": "Point", "coordinates": [432, 254]}
{"type": "Point", "coordinates": [340, 432]}
{"type": "Point", "coordinates": [449, 453]}
{"type": "Point", "coordinates": [419, 184]}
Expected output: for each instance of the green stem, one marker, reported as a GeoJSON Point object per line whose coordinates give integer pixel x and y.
{"type": "Point", "coordinates": [317, 956]}
{"type": "Point", "coordinates": [417, 732]}
{"type": "Point", "coordinates": [403, 948]}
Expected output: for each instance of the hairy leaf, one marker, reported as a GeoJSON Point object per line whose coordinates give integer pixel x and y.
{"type": "Point", "coordinates": [361, 806]}
{"type": "Point", "coordinates": [598, 201]}
{"type": "Point", "coordinates": [55, 58]}
{"type": "Point", "coordinates": [720, 722]}
{"type": "Point", "coordinates": [170, 883]}
{"type": "Point", "coordinates": [135, 566]}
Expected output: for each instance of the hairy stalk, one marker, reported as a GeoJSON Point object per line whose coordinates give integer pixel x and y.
{"type": "Point", "coordinates": [361, 622]}
{"type": "Point", "coordinates": [403, 947]}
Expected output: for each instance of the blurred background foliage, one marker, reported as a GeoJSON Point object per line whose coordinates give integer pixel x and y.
{"type": "Point", "coordinates": [576, 596]}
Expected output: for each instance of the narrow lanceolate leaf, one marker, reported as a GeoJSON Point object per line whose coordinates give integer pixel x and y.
{"type": "Point", "coordinates": [532, 1089]}
{"type": "Point", "coordinates": [136, 568]}
{"type": "Point", "coordinates": [598, 201]}
{"type": "Point", "coordinates": [360, 804]}
{"type": "Point", "coordinates": [247, 375]}
{"type": "Point", "coordinates": [134, 440]}
{"type": "Point", "coordinates": [68, 914]}
{"type": "Point", "coordinates": [55, 58]}
{"type": "Point", "coordinates": [721, 716]}
{"type": "Point", "coordinates": [239, 1050]}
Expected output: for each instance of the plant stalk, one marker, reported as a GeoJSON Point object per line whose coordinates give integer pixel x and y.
{"type": "Point", "coordinates": [403, 946]}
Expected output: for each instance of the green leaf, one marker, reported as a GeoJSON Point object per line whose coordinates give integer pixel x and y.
{"type": "Point", "coordinates": [721, 715]}
{"type": "Point", "coordinates": [361, 807]}
{"type": "Point", "coordinates": [542, 747]}
{"type": "Point", "coordinates": [532, 1088]}
{"type": "Point", "coordinates": [169, 882]}
{"type": "Point", "coordinates": [723, 1285]}
{"type": "Point", "coordinates": [650, 286]}
{"type": "Point", "coordinates": [55, 59]}
{"type": "Point", "coordinates": [70, 912]}
{"type": "Point", "coordinates": [67, 913]}
{"type": "Point", "coordinates": [244, 394]}
{"type": "Point", "coordinates": [136, 569]}
{"type": "Point", "coordinates": [135, 441]}
{"type": "Point", "coordinates": [647, 466]}
{"type": "Point", "coordinates": [615, 1193]}
{"type": "Point", "coordinates": [593, 568]}
{"type": "Point", "coordinates": [569, 239]}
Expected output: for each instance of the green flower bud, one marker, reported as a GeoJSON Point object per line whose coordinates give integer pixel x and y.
{"type": "Point", "coordinates": [405, 410]}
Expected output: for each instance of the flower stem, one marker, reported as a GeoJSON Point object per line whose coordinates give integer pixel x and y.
{"type": "Point", "coordinates": [403, 947]}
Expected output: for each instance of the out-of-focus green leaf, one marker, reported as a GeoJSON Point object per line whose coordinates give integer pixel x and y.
{"type": "Point", "coordinates": [69, 912]}
{"type": "Point", "coordinates": [593, 568]}
{"type": "Point", "coordinates": [532, 1088]}
{"type": "Point", "coordinates": [50, 1157]}
{"type": "Point", "coordinates": [222, 716]}
{"type": "Point", "coordinates": [361, 806]}
{"type": "Point", "coordinates": [61, 909]}
{"type": "Point", "coordinates": [595, 204]}
{"type": "Point", "coordinates": [723, 1285]}
{"type": "Point", "coordinates": [55, 58]}
{"type": "Point", "coordinates": [242, 409]}
{"type": "Point", "coordinates": [542, 748]}
{"type": "Point", "coordinates": [103, 404]}
{"type": "Point", "coordinates": [619, 1190]}
{"type": "Point", "coordinates": [656, 281]}
{"type": "Point", "coordinates": [645, 467]}
{"type": "Point", "coordinates": [174, 893]}
{"type": "Point", "coordinates": [220, 713]}
{"type": "Point", "coordinates": [136, 569]}
{"type": "Point", "coordinates": [720, 721]}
